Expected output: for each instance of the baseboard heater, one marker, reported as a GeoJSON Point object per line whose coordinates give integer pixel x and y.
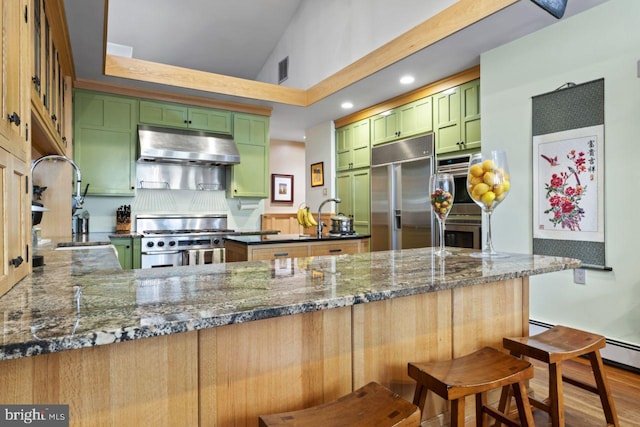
{"type": "Point", "coordinates": [620, 354]}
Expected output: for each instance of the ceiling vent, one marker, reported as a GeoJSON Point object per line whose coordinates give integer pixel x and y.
{"type": "Point", "coordinates": [283, 70]}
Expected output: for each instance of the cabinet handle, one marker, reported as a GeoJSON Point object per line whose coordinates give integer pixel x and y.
{"type": "Point", "coordinates": [36, 81]}
{"type": "Point", "coordinates": [16, 261]}
{"type": "Point", "coordinates": [282, 254]}
{"type": "Point", "coordinates": [331, 251]}
{"type": "Point", "coordinates": [54, 117]}
{"type": "Point", "coordinates": [14, 118]}
{"type": "Point", "coordinates": [127, 247]}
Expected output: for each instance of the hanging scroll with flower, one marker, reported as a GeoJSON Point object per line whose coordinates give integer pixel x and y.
{"type": "Point", "coordinates": [568, 173]}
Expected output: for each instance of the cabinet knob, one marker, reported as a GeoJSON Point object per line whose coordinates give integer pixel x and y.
{"type": "Point", "coordinates": [36, 80]}
{"type": "Point", "coordinates": [14, 118]}
{"type": "Point", "coordinates": [54, 117]}
{"type": "Point", "coordinates": [16, 261]}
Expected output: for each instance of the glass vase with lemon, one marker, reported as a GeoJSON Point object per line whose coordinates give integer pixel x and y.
{"type": "Point", "coordinates": [488, 183]}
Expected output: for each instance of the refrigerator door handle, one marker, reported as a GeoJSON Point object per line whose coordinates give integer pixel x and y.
{"type": "Point", "coordinates": [398, 219]}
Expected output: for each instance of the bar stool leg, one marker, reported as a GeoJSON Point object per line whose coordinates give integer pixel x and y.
{"type": "Point", "coordinates": [522, 402]}
{"type": "Point", "coordinates": [482, 418]}
{"type": "Point", "coordinates": [603, 389]}
{"type": "Point", "coordinates": [457, 412]}
{"type": "Point", "coordinates": [556, 396]}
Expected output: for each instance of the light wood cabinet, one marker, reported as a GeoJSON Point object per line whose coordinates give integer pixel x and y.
{"type": "Point", "coordinates": [50, 81]}
{"type": "Point", "coordinates": [14, 226]}
{"type": "Point", "coordinates": [237, 251]}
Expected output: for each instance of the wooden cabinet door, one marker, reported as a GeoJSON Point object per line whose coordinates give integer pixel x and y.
{"type": "Point", "coordinates": [416, 117]}
{"type": "Point", "coordinates": [470, 114]}
{"type": "Point", "coordinates": [163, 114]}
{"type": "Point", "coordinates": [361, 145]}
{"type": "Point", "coordinates": [446, 113]}
{"type": "Point", "coordinates": [250, 177]}
{"type": "Point", "coordinates": [105, 142]}
{"type": "Point", "coordinates": [14, 224]}
{"type": "Point", "coordinates": [344, 154]}
{"type": "Point", "coordinates": [210, 120]}
{"type": "Point", "coordinates": [361, 199]}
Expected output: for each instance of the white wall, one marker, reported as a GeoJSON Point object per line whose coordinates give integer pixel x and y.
{"type": "Point", "coordinates": [603, 42]}
{"type": "Point", "coordinates": [320, 148]}
{"type": "Point", "coordinates": [288, 158]}
{"type": "Point", "coordinates": [326, 36]}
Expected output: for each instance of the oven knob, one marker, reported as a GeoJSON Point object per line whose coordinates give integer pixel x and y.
{"type": "Point", "coordinates": [172, 243]}
{"type": "Point", "coordinates": [216, 241]}
{"type": "Point", "coordinates": [149, 244]}
{"type": "Point", "coordinates": [160, 244]}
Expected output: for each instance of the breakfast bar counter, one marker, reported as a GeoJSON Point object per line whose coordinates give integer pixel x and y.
{"type": "Point", "coordinates": [219, 344]}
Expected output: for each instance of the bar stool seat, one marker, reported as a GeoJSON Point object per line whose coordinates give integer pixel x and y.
{"type": "Point", "coordinates": [552, 347]}
{"type": "Point", "coordinates": [371, 405]}
{"type": "Point", "coordinates": [475, 374]}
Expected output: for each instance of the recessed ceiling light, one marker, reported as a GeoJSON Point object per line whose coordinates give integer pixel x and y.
{"type": "Point", "coordinates": [347, 105]}
{"type": "Point", "coordinates": [407, 80]}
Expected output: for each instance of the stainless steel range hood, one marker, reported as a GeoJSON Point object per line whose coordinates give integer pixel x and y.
{"type": "Point", "coordinates": [181, 146]}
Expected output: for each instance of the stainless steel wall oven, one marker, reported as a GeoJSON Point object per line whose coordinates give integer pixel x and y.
{"type": "Point", "coordinates": [464, 223]}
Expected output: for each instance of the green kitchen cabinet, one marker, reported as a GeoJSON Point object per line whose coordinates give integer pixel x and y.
{"type": "Point", "coordinates": [353, 148]}
{"type": "Point", "coordinates": [385, 127]}
{"type": "Point", "coordinates": [105, 135]}
{"type": "Point", "coordinates": [353, 188]}
{"type": "Point", "coordinates": [456, 113]}
{"type": "Point", "coordinates": [404, 121]}
{"type": "Point", "coordinates": [416, 117]}
{"type": "Point", "coordinates": [250, 178]}
{"type": "Point", "coordinates": [129, 251]}
{"type": "Point", "coordinates": [184, 116]}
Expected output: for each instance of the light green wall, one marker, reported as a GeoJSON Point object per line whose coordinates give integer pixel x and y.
{"type": "Point", "coordinates": [603, 42]}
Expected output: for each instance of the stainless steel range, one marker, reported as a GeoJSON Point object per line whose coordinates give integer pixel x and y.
{"type": "Point", "coordinates": [174, 240]}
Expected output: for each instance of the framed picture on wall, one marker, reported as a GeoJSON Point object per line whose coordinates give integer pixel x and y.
{"type": "Point", "coordinates": [281, 188]}
{"type": "Point", "coordinates": [317, 174]}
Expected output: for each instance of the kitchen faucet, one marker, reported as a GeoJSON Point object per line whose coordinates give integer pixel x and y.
{"type": "Point", "coordinates": [320, 224]}
{"type": "Point", "coordinates": [79, 199]}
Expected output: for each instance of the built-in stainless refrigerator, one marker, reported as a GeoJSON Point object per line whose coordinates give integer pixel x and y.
{"type": "Point", "coordinates": [400, 209]}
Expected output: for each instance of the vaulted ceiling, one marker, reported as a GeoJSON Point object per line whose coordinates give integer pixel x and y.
{"type": "Point", "coordinates": [162, 31]}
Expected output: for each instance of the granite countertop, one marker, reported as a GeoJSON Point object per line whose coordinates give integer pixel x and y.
{"type": "Point", "coordinates": [81, 297]}
{"type": "Point", "coordinates": [291, 238]}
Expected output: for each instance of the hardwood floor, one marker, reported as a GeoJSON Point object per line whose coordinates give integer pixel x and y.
{"type": "Point", "coordinates": [583, 409]}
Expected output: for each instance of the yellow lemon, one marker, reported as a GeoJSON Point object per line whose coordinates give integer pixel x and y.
{"type": "Point", "coordinates": [488, 165]}
{"type": "Point", "coordinates": [488, 198]}
{"type": "Point", "coordinates": [476, 180]}
{"type": "Point", "coordinates": [476, 170]}
{"type": "Point", "coordinates": [498, 189]}
{"type": "Point", "coordinates": [500, 197]}
{"type": "Point", "coordinates": [479, 190]}
{"type": "Point", "coordinates": [489, 178]}
{"type": "Point", "coordinates": [506, 185]}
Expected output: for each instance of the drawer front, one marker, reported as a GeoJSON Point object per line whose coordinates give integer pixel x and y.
{"type": "Point", "coordinates": [338, 248]}
{"type": "Point", "coordinates": [279, 252]}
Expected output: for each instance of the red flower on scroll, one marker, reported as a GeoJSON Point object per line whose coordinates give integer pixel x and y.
{"type": "Point", "coordinates": [563, 198]}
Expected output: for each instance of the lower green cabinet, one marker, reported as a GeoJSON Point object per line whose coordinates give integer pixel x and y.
{"type": "Point", "coordinates": [353, 188]}
{"type": "Point", "coordinates": [129, 251]}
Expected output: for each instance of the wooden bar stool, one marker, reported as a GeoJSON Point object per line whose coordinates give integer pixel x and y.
{"type": "Point", "coordinates": [371, 405]}
{"type": "Point", "coordinates": [552, 347]}
{"type": "Point", "coordinates": [475, 373]}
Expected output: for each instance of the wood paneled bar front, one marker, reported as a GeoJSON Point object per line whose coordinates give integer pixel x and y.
{"type": "Point", "coordinates": [220, 344]}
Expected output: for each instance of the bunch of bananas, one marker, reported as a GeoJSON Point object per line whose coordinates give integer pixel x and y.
{"type": "Point", "coordinates": [305, 217]}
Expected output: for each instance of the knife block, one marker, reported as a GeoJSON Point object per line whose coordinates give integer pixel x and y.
{"type": "Point", "coordinates": [123, 227]}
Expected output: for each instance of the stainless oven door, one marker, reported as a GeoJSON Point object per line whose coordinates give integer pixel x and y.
{"type": "Point", "coordinates": [161, 259]}
{"type": "Point", "coordinates": [203, 256]}
{"type": "Point", "coordinates": [463, 235]}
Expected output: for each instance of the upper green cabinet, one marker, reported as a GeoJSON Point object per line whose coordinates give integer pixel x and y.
{"type": "Point", "coordinates": [456, 114]}
{"type": "Point", "coordinates": [353, 148]}
{"type": "Point", "coordinates": [401, 122]}
{"type": "Point", "coordinates": [250, 178]}
{"type": "Point", "coordinates": [105, 135]}
{"type": "Point", "coordinates": [183, 116]}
